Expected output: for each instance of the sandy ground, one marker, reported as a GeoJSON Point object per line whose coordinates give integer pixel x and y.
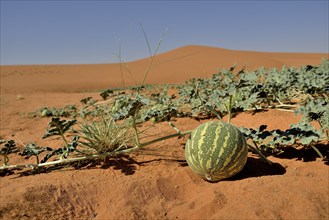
{"type": "Point", "coordinates": [157, 183]}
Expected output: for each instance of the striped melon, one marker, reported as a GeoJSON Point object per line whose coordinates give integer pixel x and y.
{"type": "Point", "coordinates": [216, 151]}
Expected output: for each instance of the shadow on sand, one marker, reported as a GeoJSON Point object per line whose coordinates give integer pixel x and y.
{"type": "Point", "coordinates": [128, 165]}
{"type": "Point", "coordinates": [124, 163]}
{"type": "Point", "coordinates": [306, 154]}
{"type": "Point", "coordinates": [257, 168]}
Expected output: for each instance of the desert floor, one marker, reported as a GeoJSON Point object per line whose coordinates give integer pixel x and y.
{"type": "Point", "coordinates": [155, 183]}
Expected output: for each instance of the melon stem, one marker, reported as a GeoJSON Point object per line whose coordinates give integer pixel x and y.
{"type": "Point", "coordinates": [257, 151]}
{"type": "Point", "coordinates": [95, 156]}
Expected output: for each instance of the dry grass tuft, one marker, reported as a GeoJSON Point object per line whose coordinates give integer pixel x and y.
{"type": "Point", "coordinates": [105, 135]}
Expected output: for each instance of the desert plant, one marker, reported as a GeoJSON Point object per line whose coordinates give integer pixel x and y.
{"type": "Point", "coordinates": [104, 134]}
{"type": "Point", "coordinates": [8, 148]}
{"type": "Point", "coordinates": [109, 127]}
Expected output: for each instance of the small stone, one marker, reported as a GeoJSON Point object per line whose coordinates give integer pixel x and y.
{"type": "Point", "coordinates": [19, 97]}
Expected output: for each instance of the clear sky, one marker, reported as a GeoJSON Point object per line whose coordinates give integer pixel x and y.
{"type": "Point", "coordinates": [62, 32]}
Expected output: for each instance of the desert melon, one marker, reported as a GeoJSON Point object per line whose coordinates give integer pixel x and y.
{"type": "Point", "coordinates": [216, 150]}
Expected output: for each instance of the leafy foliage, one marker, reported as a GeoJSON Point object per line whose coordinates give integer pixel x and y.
{"type": "Point", "coordinates": [32, 149]}
{"type": "Point", "coordinates": [59, 127]}
{"type": "Point", "coordinates": [274, 141]}
{"type": "Point", "coordinates": [162, 107]}
{"type": "Point", "coordinates": [64, 151]}
{"type": "Point", "coordinates": [109, 126]}
{"type": "Point", "coordinates": [8, 148]}
{"type": "Point", "coordinates": [66, 111]}
{"type": "Point", "coordinates": [315, 110]}
{"type": "Point", "coordinates": [105, 94]}
{"type": "Point", "coordinates": [255, 90]}
{"type": "Point", "coordinates": [127, 105]}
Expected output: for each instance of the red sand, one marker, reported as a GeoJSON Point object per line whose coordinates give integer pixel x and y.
{"type": "Point", "coordinates": [158, 186]}
{"type": "Point", "coordinates": [172, 67]}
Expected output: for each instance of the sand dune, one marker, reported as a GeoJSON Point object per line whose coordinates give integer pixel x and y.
{"type": "Point", "coordinates": [174, 66]}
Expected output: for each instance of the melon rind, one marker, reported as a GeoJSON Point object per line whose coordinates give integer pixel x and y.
{"type": "Point", "coordinates": [216, 151]}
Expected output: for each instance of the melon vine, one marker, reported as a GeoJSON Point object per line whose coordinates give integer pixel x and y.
{"type": "Point", "coordinates": [303, 91]}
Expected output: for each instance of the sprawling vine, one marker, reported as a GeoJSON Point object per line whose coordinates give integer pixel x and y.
{"type": "Point", "coordinates": [108, 127]}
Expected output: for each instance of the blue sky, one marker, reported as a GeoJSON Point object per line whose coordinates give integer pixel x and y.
{"type": "Point", "coordinates": [64, 32]}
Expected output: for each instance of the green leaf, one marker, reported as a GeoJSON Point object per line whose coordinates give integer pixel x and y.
{"type": "Point", "coordinates": [307, 140]}
{"type": "Point", "coordinates": [105, 94]}
{"type": "Point", "coordinates": [59, 127]}
{"type": "Point", "coordinates": [9, 147]}
{"type": "Point", "coordinates": [33, 150]}
{"type": "Point", "coordinates": [64, 151]}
